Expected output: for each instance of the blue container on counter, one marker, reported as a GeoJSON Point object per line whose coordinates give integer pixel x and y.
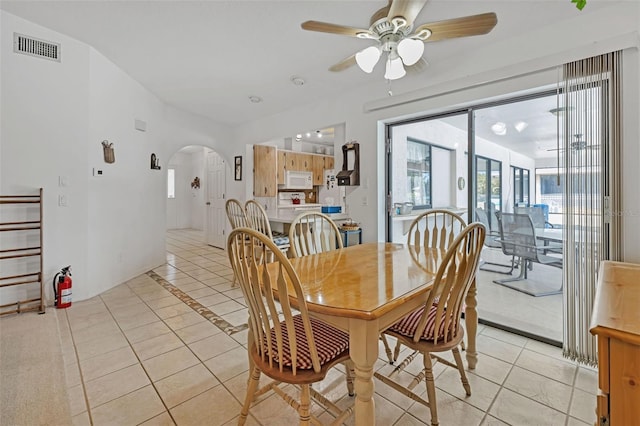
{"type": "Point", "coordinates": [331, 209]}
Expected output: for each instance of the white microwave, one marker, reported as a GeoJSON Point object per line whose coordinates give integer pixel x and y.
{"type": "Point", "coordinates": [298, 180]}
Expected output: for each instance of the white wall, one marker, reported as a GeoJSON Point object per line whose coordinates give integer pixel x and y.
{"type": "Point", "coordinates": [54, 117]}
{"type": "Point", "coordinates": [198, 195]}
{"type": "Point", "coordinates": [179, 208]}
{"type": "Point", "coordinates": [43, 135]}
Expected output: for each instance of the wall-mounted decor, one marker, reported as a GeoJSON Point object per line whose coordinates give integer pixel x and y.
{"type": "Point", "coordinates": [238, 168]}
{"type": "Point", "coordinates": [109, 154]}
{"type": "Point", "coordinates": [155, 162]}
{"type": "Point", "coordinates": [196, 183]}
{"type": "Point", "coordinates": [461, 183]}
{"type": "Point", "coordinates": [350, 173]}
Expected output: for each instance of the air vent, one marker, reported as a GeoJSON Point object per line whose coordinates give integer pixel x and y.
{"type": "Point", "coordinates": [35, 47]}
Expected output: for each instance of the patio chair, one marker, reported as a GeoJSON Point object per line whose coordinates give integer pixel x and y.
{"type": "Point", "coordinates": [518, 238]}
{"type": "Point", "coordinates": [290, 348]}
{"type": "Point", "coordinates": [492, 241]}
{"type": "Point", "coordinates": [436, 327]}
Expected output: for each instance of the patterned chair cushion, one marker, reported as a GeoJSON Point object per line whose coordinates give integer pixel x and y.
{"type": "Point", "coordinates": [330, 342]}
{"type": "Point", "coordinates": [280, 239]}
{"type": "Point", "coordinates": [407, 325]}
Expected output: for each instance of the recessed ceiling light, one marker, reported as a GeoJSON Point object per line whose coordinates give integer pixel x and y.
{"type": "Point", "coordinates": [297, 81]}
{"type": "Point", "coordinates": [255, 99]}
{"type": "Point", "coordinates": [499, 128]}
{"type": "Point", "coordinates": [308, 134]}
{"type": "Point", "coordinates": [298, 137]}
{"type": "Point", "coordinates": [318, 134]}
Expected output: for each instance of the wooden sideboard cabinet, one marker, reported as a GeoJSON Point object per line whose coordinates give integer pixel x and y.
{"type": "Point", "coordinates": [616, 323]}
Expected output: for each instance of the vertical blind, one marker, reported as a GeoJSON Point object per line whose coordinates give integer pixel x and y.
{"type": "Point", "coordinates": [590, 129]}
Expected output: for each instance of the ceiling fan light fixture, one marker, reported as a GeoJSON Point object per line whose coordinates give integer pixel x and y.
{"type": "Point", "coordinates": [499, 128]}
{"type": "Point", "coordinates": [368, 58]}
{"type": "Point", "coordinates": [395, 68]}
{"type": "Point", "coordinates": [410, 50]}
{"type": "Point", "coordinates": [520, 126]}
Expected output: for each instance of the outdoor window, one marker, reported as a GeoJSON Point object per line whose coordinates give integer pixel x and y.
{"type": "Point", "coordinates": [489, 187]}
{"type": "Point", "coordinates": [520, 186]}
{"type": "Point", "coordinates": [419, 174]}
{"type": "Point", "coordinates": [171, 183]}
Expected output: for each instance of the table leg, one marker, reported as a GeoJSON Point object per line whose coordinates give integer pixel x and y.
{"type": "Point", "coordinates": [363, 344]}
{"type": "Point", "coordinates": [471, 320]}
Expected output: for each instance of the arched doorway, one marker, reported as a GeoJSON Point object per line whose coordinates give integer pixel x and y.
{"type": "Point", "coordinates": [196, 193]}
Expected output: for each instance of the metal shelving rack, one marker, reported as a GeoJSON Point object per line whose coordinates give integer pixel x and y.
{"type": "Point", "coordinates": [13, 253]}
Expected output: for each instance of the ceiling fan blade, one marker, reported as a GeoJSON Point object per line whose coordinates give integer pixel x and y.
{"type": "Point", "coordinates": [344, 64]}
{"type": "Point", "coordinates": [460, 27]}
{"type": "Point", "coordinates": [325, 27]}
{"type": "Point", "coordinates": [408, 9]}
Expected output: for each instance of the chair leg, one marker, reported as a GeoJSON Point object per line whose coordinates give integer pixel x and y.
{"type": "Point", "coordinates": [387, 349]}
{"type": "Point", "coordinates": [305, 405]}
{"type": "Point", "coordinates": [511, 267]}
{"type": "Point", "coordinates": [351, 374]}
{"type": "Point", "coordinates": [396, 351]}
{"type": "Point", "coordinates": [431, 388]}
{"type": "Point", "coordinates": [463, 374]}
{"type": "Point", "coordinates": [254, 379]}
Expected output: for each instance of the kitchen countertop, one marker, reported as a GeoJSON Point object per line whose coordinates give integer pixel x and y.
{"type": "Point", "coordinates": [287, 216]}
{"type": "Point", "coordinates": [415, 213]}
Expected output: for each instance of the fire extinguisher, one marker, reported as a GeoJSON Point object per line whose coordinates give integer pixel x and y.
{"type": "Point", "coordinates": [62, 290]}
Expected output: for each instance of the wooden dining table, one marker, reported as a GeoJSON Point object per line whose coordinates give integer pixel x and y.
{"type": "Point", "coordinates": [364, 289]}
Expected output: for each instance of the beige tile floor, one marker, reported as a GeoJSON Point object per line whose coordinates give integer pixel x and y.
{"type": "Point", "coordinates": [138, 354]}
{"type": "Point", "coordinates": [539, 316]}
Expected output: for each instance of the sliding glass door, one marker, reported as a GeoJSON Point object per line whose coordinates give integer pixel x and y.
{"type": "Point", "coordinates": [427, 167]}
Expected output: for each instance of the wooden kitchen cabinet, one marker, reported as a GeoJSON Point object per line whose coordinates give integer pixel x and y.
{"type": "Point", "coordinates": [299, 162]}
{"type": "Point", "coordinates": [616, 323]}
{"type": "Point", "coordinates": [282, 166]}
{"type": "Point", "coordinates": [318, 169]}
{"type": "Point", "coordinates": [270, 165]}
{"type": "Point", "coordinates": [328, 163]}
{"type": "Point", "coordinates": [265, 160]}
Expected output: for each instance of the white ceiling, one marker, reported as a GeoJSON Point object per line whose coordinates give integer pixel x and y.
{"type": "Point", "coordinates": [208, 57]}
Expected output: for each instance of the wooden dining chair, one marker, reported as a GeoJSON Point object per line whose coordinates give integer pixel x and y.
{"type": "Point", "coordinates": [258, 220]}
{"type": "Point", "coordinates": [235, 213]}
{"type": "Point", "coordinates": [288, 347]}
{"type": "Point", "coordinates": [435, 228]}
{"type": "Point", "coordinates": [313, 232]}
{"type": "Point", "coordinates": [436, 327]}
{"type": "Point", "coordinates": [237, 218]}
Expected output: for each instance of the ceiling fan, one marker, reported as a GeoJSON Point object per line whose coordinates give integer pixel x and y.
{"type": "Point", "coordinates": [577, 145]}
{"type": "Point", "coordinates": [392, 29]}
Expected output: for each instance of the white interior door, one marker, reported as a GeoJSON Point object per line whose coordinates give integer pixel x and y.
{"type": "Point", "coordinates": [216, 215]}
